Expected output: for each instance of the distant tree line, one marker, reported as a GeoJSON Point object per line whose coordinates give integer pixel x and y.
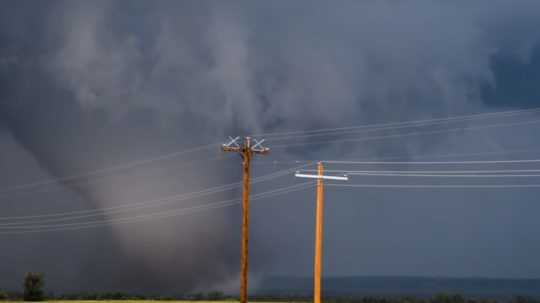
{"type": "Point", "coordinates": [210, 296]}
{"type": "Point", "coordinates": [33, 290]}
{"type": "Point", "coordinates": [219, 296]}
{"type": "Point", "coordinates": [440, 298]}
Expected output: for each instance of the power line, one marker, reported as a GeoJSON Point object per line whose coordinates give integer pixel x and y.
{"type": "Point", "coordinates": [399, 136]}
{"type": "Point", "coordinates": [98, 172]}
{"type": "Point", "coordinates": [371, 130]}
{"type": "Point", "coordinates": [449, 155]}
{"type": "Point", "coordinates": [461, 155]}
{"type": "Point", "coordinates": [89, 180]}
{"type": "Point", "coordinates": [432, 162]}
{"type": "Point", "coordinates": [488, 171]}
{"type": "Point", "coordinates": [64, 216]}
{"type": "Point", "coordinates": [165, 214]}
{"type": "Point", "coordinates": [446, 175]}
{"type": "Point", "coordinates": [285, 189]}
{"type": "Point", "coordinates": [434, 186]}
{"type": "Point", "coordinates": [481, 115]}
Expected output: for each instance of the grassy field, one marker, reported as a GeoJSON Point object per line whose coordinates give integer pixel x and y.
{"type": "Point", "coordinates": [127, 301]}
{"type": "Point", "coordinates": [145, 301]}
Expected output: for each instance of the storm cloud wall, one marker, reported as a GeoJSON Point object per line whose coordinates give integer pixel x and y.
{"type": "Point", "coordinates": [86, 85]}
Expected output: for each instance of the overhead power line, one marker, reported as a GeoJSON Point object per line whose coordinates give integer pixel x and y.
{"type": "Point", "coordinates": [101, 173]}
{"type": "Point", "coordinates": [452, 155]}
{"type": "Point", "coordinates": [433, 162]}
{"type": "Point", "coordinates": [88, 180]}
{"type": "Point", "coordinates": [486, 171]}
{"type": "Point", "coordinates": [104, 170]}
{"type": "Point", "coordinates": [435, 186]}
{"type": "Point", "coordinates": [364, 130]}
{"type": "Point", "coordinates": [64, 216]}
{"type": "Point", "coordinates": [155, 215]}
{"type": "Point", "coordinates": [403, 123]}
{"type": "Point", "coordinates": [129, 165]}
{"type": "Point", "coordinates": [447, 175]}
{"type": "Point", "coordinates": [424, 156]}
{"type": "Point", "coordinates": [411, 134]}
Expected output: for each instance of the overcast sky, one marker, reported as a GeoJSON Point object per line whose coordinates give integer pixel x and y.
{"type": "Point", "coordinates": [90, 85]}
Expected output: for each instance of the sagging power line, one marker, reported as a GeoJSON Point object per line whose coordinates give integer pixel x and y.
{"type": "Point", "coordinates": [398, 126]}
{"type": "Point", "coordinates": [394, 124]}
{"type": "Point", "coordinates": [156, 215]}
{"type": "Point", "coordinates": [106, 171]}
{"type": "Point", "coordinates": [411, 134]}
{"type": "Point", "coordinates": [64, 216]}
{"type": "Point", "coordinates": [433, 162]}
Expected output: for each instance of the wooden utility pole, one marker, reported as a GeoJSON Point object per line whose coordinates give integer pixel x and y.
{"type": "Point", "coordinates": [318, 235]}
{"type": "Point", "coordinates": [319, 218]}
{"type": "Point", "coordinates": [245, 151]}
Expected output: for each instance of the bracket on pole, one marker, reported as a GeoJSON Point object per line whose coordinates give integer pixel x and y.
{"type": "Point", "coordinates": [232, 145]}
{"type": "Point", "coordinates": [340, 178]}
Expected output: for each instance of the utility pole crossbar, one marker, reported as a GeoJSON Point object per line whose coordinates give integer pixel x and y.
{"type": "Point", "coordinates": [319, 217]}
{"type": "Point", "coordinates": [341, 178]}
{"type": "Point", "coordinates": [246, 151]}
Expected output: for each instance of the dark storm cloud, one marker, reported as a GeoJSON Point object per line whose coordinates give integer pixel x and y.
{"type": "Point", "coordinates": [85, 85]}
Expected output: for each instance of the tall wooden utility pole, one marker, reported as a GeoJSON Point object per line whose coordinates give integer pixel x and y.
{"type": "Point", "coordinates": [318, 235]}
{"type": "Point", "coordinates": [319, 218]}
{"type": "Point", "coordinates": [245, 151]}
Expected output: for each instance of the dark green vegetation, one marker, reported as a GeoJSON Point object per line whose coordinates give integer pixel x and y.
{"type": "Point", "coordinates": [116, 296]}
{"type": "Point", "coordinates": [337, 290]}
{"type": "Point", "coordinates": [33, 287]}
{"type": "Point", "coordinates": [420, 287]}
{"type": "Point", "coordinates": [440, 298]}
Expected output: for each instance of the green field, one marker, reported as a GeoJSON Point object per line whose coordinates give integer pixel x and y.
{"type": "Point", "coordinates": [128, 301]}
{"type": "Point", "coordinates": [145, 301]}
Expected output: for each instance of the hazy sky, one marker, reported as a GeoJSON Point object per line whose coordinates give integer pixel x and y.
{"type": "Point", "coordinates": [86, 85]}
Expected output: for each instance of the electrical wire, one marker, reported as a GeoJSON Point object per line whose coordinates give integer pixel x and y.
{"type": "Point", "coordinates": [449, 155]}
{"type": "Point", "coordinates": [488, 171]}
{"type": "Point", "coordinates": [374, 129]}
{"type": "Point", "coordinates": [98, 172]}
{"type": "Point", "coordinates": [65, 216]}
{"type": "Point", "coordinates": [433, 162]}
{"type": "Point", "coordinates": [435, 186]}
{"type": "Point", "coordinates": [93, 180]}
{"type": "Point", "coordinates": [446, 175]}
{"type": "Point", "coordinates": [399, 136]}
{"type": "Point", "coordinates": [285, 189]}
{"type": "Point", "coordinates": [399, 124]}
{"type": "Point", "coordinates": [161, 215]}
